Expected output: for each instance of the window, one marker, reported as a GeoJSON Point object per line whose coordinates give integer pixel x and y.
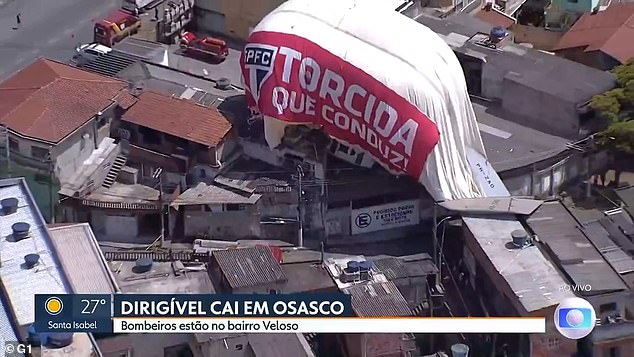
{"type": "Point", "coordinates": [234, 207]}
{"type": "Point", "coordinates": [178, 351]}
{"type": "Point", "coordinates": [38, 152]}
{"type": "Point", "coordinates": [553, 343]}
{"type": "Point", "coordinates": [614, 352]}
{"type": "Point", "coordinates": [126, 353]}
{"type": "Point", "coordinates": [14, 145]}
{"type": "Point", "coordinates": [102, 121]}
{"type": "Point", "coordinates": [239, 347]}
{"type": "Point", "coordinates": [611, 307]}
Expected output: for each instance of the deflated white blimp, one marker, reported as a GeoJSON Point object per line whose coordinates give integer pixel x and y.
{"type": "Point", "coordinates": [373, 79]}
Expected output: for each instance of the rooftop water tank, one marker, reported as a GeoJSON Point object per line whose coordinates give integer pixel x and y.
{"type": "Point", "coordinates": [352, 266]}
{"type": "Point", "coordinates": [497, 34]}
{"type": "Point", "coordinates": [223, 83]}
{"type": "Point", "coordinates": [9, 205]}
{"type": "Point", "coordinates": [520, 238]}
{"type": "Point", "coordinates": [20, 230]}
{"type": "Point", "coordinates": [364, 269]}
{"type": "Point", "coordinates": [59, 340]}
{"type": "Point", "coordinates": [31, 260]}
{"type": "Point", "coordinates": [143, 265]}
{"type": "Point", "coordinates": [459, 350]}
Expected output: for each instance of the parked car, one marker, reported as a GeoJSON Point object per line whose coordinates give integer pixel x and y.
{"type": "Point", "coordinates": [88, 53]}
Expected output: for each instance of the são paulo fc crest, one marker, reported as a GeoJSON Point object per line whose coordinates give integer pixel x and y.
{"type": "Point", "coordinates": [259, 60]}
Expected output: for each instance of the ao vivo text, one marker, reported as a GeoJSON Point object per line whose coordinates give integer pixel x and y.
{"type": "Point", "coordinates": [576, 288]}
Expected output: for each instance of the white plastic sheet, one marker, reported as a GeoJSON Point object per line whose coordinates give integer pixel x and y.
{"type": "Point", "coordinates": [352, 68]}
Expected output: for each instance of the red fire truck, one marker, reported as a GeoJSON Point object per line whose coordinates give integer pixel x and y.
{"type": "Point", "coordinates": [116, 27]}
{"type": "Point", "coordinates": [204, 46]}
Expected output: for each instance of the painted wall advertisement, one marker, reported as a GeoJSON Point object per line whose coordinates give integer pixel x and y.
{"type": "Point", "coordinates": [387, 216]}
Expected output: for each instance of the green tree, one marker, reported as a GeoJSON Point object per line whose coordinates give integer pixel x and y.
{"type": "Point", "coordinates": [617, 106]}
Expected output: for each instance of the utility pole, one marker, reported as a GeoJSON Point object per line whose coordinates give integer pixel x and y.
{"type": "Point", "coordinates": [300, 204]}
{"type": "Point", "coordinates": [49, 165]}
{"type": "Point", "coordinates": [435, 236]}
{"type": "Point", "coordinates": [7, 145]}
{"type": "Point", "coordinates": [158, 174]}
{"type": "Point", "coordinates": [589, 151]}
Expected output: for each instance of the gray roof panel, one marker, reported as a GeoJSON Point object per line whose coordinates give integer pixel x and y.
{"type": "Point", "coordinates": [557, 228]}
{"type": "Point", "coordinates": [249, 267]}
{"type": "Point", "coordinates": [378, 300]}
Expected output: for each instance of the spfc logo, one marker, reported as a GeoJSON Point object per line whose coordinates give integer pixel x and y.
{"type": "Point", "coordinates": [259, 60]}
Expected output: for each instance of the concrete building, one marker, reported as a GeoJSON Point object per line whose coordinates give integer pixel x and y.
{"type": "Point", "coordinates": [585, 263]}
{"type": "Point", "coordinates": [50, 131]}
{"type": "Point", "coordinates": [156, 143]}
{"type": "Point", "coordinates": [626, 196]}
{"type": "Point", "coordinates": [177, 128]}
{"type": "Point", "coordinates": [253, 345]}
{"type": "Point", "coordinates": [529, 286]}
{"type": "Point", "coordinates": [21, 282]}
{"type": "Point", "coordinates": [613, 340]}
{"type": "Point", "coordinates": [213, 212]}
{"type": "Point", "coordinates": [241, 203]}
{"type": "Point", "coordinates": [532, 88]}
{"type": "Point", "coordinates": [601, 40]}
{"type": "Point", "coordinates": [557, 242]}
{"type": "Point", "coordinates": [171, 273]}
{"type": "Point", "coordinates": [372, 295]}
{"type": "Point", "coordinates": [612, 236]}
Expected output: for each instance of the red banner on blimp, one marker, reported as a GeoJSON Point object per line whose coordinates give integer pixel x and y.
{"type": "Point", "coordinates": [293, 79]}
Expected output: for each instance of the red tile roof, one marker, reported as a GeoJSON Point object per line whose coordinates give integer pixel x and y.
{"type": "Point", "coordinates": [495, 18]}
{"type": "Point", "coordinates": [610, 31]}
{"type": "Point", "coordinates": [49, 100]}
{"type": "Point", "coordinates": [179, 117]}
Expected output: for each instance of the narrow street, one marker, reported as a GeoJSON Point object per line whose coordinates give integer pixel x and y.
{"type": "Point", "coordinates": [48, 29]}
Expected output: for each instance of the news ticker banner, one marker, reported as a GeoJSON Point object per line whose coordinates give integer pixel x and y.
{"type": "Point", "coordinates": [248, 313]}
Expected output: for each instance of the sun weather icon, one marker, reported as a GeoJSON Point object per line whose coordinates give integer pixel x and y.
{"type": "Point", "coordinates": [53, 305]}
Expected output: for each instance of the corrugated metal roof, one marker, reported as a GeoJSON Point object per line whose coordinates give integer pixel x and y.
{"type": "Point", "coordinates": [493, 205]}
{"type": "Point", "coordinates": [392, 267]}
{"type": "Point", "coordinates": [88, 275]}
{"type": "Point", "coordinates": [419, 265]}
{"type": "Point", "coordinates": [20, 284]}
{"type": "Point", "coordinates": [626, 195]}
{"type": "Point", "coordinates": [573, 252]}
{"type": "Point", "coordinates": [110, 64]}
{"type": "Point", "coordinates": [279, 345]}
{"type": "Point", "coordinates": [249, 267]}
{"type": "Point", "coordinates": [622, 262]}
{"type": "Point", "coordinates": [209, 194]}
{"type": "Point", "coordinates": [533, 279]}
{"type": "Point", "coordinates": [378, 299]}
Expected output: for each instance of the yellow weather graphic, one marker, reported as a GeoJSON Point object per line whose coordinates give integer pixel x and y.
{"type": "Point", "coordinates": [53, 305]}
